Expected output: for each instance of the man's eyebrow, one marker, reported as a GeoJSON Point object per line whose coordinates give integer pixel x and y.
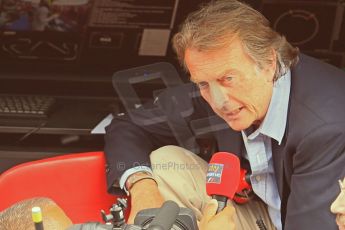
{"type": "Point", "coordinates": [228, 71]}
{"type": "Point", "coordinates": [221, 75]}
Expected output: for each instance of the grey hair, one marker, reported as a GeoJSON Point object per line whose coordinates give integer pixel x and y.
{"type": "Point", "coordinates": [215, 23]}
{"type": "Point", "coordinates": [18, 216]}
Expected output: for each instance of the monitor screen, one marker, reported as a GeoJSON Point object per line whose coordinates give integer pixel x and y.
{"type": "Point", "coordinates": [97, 35]}
{"type": "Point", "coordinates": [44, 15]}
{"type": "Point", "coordinates": [48, 30]}
{"type": "Point", "coordinates": [306, 24]}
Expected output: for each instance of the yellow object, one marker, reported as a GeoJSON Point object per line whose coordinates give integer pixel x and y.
{"type": "Point", "coordinates": [36, 214]}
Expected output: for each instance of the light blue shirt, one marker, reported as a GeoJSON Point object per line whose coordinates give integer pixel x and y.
{"type": "Point", "coordinates": [131, 171]}
{"type": "Point", "coordinates": [259, 149]}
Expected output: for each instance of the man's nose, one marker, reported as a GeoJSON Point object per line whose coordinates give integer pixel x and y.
{"type": "Point", "coordinates": [338, 206]}
{"type": "Point", "coordinates": [218, 95]}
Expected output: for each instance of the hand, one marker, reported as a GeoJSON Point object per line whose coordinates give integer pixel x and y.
{"type": "Point", "coordinates": [144, 194]}
{"type": "Point", "coordinates": [221, 220]}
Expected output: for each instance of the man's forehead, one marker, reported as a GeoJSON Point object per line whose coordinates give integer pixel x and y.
{"type": "Point", "coordinates": [217, 63]}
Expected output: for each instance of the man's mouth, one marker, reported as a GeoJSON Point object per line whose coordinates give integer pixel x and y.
{"type": "Point", "coordinates": [233, 114]}
{"type": "Point", "coordinates": [341, 221]}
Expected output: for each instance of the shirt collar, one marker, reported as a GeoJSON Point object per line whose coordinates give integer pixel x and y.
{"type": "Point", "coordinates": [274, 123]}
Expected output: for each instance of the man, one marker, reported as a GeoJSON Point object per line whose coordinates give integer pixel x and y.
{"type": "Point", "coordinates": [338, 206]}
{"type": "Point", "coordinates": [284, 113]}
{"type": "Point", "coordinates": [18, 216]}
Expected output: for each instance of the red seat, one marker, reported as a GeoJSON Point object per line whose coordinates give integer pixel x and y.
{"type": "Point", "coordinates": [76, 182]}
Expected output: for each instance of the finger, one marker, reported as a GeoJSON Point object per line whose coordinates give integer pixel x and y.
{"type": "Point", "coordinates": [210, 209]}
{"type": "Point", "coordinates": [229, 211]}
{"type": "Point", "coordinates": [226, 217]}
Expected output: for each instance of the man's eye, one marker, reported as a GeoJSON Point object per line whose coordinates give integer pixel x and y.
{"type": "Point", "coordinates": [202, 84]}
{"type": "Point", "coordinates": [228, 78]}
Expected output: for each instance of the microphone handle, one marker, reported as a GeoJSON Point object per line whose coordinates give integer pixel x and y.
{"type": "Point", "coordinates": [222, 202]}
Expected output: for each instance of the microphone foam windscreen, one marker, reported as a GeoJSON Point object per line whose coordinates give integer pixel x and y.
{"type": "Point", "coordinates": [223, 174]}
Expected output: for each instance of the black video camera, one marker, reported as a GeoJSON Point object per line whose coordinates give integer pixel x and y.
{"type": "Point", "coordinates": [169, 217]}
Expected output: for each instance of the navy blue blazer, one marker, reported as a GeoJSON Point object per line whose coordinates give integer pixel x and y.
{"type": "Point", "coordinates": [308, 162]}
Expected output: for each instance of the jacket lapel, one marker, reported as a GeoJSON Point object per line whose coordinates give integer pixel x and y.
{"type": "Point", "coordinates": [283, 188]}
{"type": "Point", "coordinates": [278, 160]}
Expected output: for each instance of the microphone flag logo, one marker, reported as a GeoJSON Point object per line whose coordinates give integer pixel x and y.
{"type": "Point", "coordinates": [214, 173]}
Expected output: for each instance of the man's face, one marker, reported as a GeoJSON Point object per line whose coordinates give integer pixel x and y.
{"type": "Point", "coordinates": [230, 81]}
{"type": "Point", "coordinates": [338, 207]}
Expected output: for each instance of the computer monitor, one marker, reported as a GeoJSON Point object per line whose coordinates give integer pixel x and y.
{"type": "Point", "coordinates": [42, 30]}
{"type": "Point", "coordinates": [306, 24]}
{"type": "Point", "coordinates": [82, 42]}
{"type": "Point", "coordinates": [125, 34]}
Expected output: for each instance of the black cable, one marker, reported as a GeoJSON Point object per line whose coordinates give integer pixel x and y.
{"type": "Point", "coordinates": [32, 131]}
{"type": "Point", "coordinates": [260, 223]}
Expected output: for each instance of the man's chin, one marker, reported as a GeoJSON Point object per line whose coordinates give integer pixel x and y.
{"type": "Point", "coordinates": [237, 125]}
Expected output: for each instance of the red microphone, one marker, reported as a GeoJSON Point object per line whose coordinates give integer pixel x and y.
{"type": "Point", "coordinates": [226, 180]}
{"type": "Point", "coordinates": [244, 191]}
{"type": "Point", "coordinates": [223, 177]}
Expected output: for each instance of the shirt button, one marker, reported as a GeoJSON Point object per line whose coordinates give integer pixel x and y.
{"type": "Point", "coordinates": [257, 178]}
